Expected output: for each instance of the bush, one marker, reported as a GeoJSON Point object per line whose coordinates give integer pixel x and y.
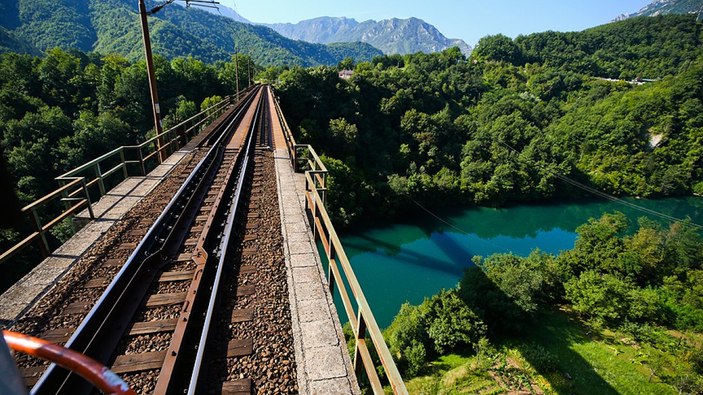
{"type": "Point", "coordinates": [603, 298]}
{"type": "Point", "coordinates": [451, 324]}
{"type": "Point", "coordinates": [405, 332]}
{"type": "Point", "coordinates": [415, 356]}
{"type": "Point", "coordinates": [440, 324]}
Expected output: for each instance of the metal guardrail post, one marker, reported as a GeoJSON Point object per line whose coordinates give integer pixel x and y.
{"type": "Point", "coordinates": [360, 333]}
{"type": "Point", "coordinates": [87, 198]}
{"type": "Point", "coordinates": [99, 175]}
{"type": "Point", "coordinates": [44, 245]}
{"type": "Point", "coordinates": [124, 165]}
{"type": "Point", "coordinates": [141, 160]}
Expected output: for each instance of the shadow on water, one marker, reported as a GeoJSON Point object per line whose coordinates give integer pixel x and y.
{"type": "Point", "coordinates": [553, 331]}
{"type": "Point", "coordinates": [415, 258]}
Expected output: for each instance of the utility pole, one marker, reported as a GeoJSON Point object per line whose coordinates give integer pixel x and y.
{"type": "Point", "coordinates": [236, 69]}
{"type": "Point", "coordinates": [152, 81]}
{"type": "Point", "coordinates": [249, 70]}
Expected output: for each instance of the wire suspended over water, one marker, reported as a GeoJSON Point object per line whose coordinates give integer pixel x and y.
{"type": "Point", "coordinates": [606, 195]}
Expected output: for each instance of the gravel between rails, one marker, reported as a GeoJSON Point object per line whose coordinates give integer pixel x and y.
{"type": "Point", "coordinates": [272, 364]}
{"type": "Point", "coordinates": [47, 314]}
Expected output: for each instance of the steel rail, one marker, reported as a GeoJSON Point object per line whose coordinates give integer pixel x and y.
{"type": "Point", "coordinates": [100, 331]}
{"type": "Point", "coordinates": [223, 248]}
{"type": "Point", "coordinates": [213, 230]}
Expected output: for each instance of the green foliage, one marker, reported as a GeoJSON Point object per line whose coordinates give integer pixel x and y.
{"type": "Point", "coordinates": [508, 124]}
{"type": "Point", "coordinates": [69, 107]}
{"type": "Point", "coordinates": [406, 337]}
{"type": "Point", "coordinates": [602, 297]}
{"type": "Point", "coordinates": [441, 324]}
{"type": "Point", "coordinates": [506, 290]}
{"type": "Point", "coordinates": [451, 323]}
{"type": "Point", "coordinates": [497, 48]}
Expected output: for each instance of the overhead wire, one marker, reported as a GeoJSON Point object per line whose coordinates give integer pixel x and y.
{"type": "Point", "coordinates": [604, 194]}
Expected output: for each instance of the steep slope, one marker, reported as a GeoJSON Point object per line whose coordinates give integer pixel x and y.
{"type": "Point", "coordinates": [10, 43]}
{"type": "Point", "coordinates": [391, 36]}
{"type": "Point", "coordinates": [55, 23]}
{"type": "Point", "coordinates": [109, 26]}
{"type": "Point", "coordinates": [662, 7]}
{"type": "Point", "coordinates": [225, 11]}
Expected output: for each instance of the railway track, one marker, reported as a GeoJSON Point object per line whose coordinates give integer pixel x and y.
{"type": "Point", "coordinates": [191, 290]}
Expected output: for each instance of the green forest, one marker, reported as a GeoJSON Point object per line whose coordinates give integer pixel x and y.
{"type": "Point", "coordinates": [68, 107]}
{"type": "Point", "coordinates": [511, 122]}
{"type": "Point", "coordinates": [617, 109]}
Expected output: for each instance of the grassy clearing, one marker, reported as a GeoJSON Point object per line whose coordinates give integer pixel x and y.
{"type": "Point", "coordinates": [561, 355]}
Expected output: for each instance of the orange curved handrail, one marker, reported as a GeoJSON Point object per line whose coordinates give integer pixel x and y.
{"type": "Point", "coordinates": [88, 368]}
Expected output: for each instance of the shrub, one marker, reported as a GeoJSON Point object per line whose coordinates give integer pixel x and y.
{"type": "Point", "coordinates": [450, 322]}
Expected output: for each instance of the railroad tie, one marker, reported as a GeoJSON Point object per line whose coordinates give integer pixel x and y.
{"type": "Point", "coordinates": [113, 262]}
{"type": "Point", "coordinates": [240, 347]}
{"type": "Point", "coordinates": [138, 362]}
{"type": "Point", "coordinates": [97, 282]}
{"type": "Point", "coordinates": [151, 327]}
{"type": "Point", "coordinates": [237, 387]}
{"type": "Point", "coordinates": [247, 269]}
{"type": "Point", "coordinates": [242, 315]}
{"type": "Point", "coordinates": [246, 290]}
{"type": "Point", "coordinates": [166, 299]}
{"type": "Point", "coordinates": [176, 276]}
{"type": "Point", "coordinates": [32, 374]}
{"type": "Point", "coordinates": [60, 335]}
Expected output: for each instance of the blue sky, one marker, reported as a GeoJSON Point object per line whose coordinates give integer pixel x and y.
{"type": "Point", "coordinates": [466, 19]}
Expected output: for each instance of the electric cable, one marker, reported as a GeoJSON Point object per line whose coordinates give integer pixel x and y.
{"type": "Point", "coordinates": [604, 194]}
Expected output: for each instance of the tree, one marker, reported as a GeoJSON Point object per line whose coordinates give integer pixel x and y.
{"type": "Point", "coordinates": [602, 297]}
{"type": "Point", "coordinates": [498, 48]}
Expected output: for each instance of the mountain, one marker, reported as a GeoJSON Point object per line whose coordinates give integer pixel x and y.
{"type": "Point", "coordinates": [225, 11]}
{"type": "Point", "coordinates": [112, 26]}
{"type": "Point", "coordinates": [661, 7]}
{"type": "Point", "coordinates": [392, 36]}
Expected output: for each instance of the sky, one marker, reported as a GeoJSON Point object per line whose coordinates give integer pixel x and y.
{"type": "Point", "coordinates": [466, 19]}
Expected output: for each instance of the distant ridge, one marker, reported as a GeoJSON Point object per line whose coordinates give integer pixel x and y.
{"type": "Point", "coordinates": [392, 36]}
{"type": "Point", "coordinates": [663, 7]}
{"type": "Point", "coordinates": [112, 26]}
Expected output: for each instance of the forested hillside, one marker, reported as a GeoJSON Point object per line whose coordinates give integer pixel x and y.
{"type": "Point", "coordinates": [68, 107]}
{"type": "Point", "coordinates": [112, 26]}
{"type": "Point", "coordinates": [513, 121]}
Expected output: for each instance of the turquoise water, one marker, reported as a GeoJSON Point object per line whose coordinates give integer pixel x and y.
{"type": "Point", "coordinates": [415, 259]}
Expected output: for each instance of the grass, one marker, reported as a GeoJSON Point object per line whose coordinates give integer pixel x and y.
{"type": "Point", "coordinates": [561, 355]}
{"type": "Point", "coordinates": [591, 361]}
{"type": "Point", "coordinates": [454, 374]}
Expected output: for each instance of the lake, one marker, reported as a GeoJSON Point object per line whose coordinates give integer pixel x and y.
{"type": "Point", "coordinates": [409, 261]}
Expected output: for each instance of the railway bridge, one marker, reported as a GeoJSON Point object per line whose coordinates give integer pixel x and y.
{"type": "Point", "coordinates": [212, 271]}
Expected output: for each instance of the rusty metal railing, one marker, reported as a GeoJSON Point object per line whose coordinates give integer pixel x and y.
{"type": "Point", "coordinates": [304, 158]}
{"type": "Point", "coordinates": [141, 155]}
{"type": "Point", "coordinates": [74, 204]}
{"type": "Point", "coordinates": [75, 185]}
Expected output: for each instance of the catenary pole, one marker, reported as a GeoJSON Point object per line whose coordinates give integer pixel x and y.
{"type": "Point", "coordinates": [156, 108]}
{"type": "Point", "coordinates": [236, 68]}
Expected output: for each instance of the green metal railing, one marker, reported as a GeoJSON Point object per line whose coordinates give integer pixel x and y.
{"type": "Point", "coordinates": [363, 323]}
{"type": "Point", "coordinates": [75, 186]}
